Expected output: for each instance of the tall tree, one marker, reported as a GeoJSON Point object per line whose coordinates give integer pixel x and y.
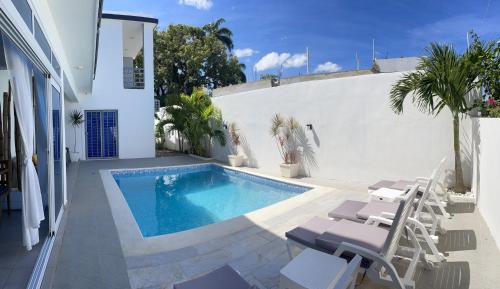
{"type": "Point", "coordinates": [442, 80]}
{"type": "Point", "coordinates": [223, 34]}
{"type": "Point", "coordinates": [187, 57]}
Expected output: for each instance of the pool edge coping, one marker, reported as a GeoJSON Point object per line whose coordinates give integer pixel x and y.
{"type": "Point", "coordinates": [133, 244]}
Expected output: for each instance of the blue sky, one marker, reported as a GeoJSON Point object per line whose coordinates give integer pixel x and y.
{"type": "Point", "coordinates": [269, 34]}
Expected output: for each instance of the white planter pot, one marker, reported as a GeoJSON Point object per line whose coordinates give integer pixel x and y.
{"type": "Point", "coordinates": [74, 156]}
{"type": "Point", "coordinates": [289, 170]}
{"type": "Point", "coordinates": [235, 160]}
{"type": "Point", "coordinates": [468, 197]}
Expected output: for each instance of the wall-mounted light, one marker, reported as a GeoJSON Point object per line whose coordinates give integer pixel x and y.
{"type": "Point", "coordinates": [309, 126]}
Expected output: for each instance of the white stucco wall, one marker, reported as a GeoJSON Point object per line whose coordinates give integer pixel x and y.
{"type": "Point", "coordinates": [135, 106]}
{"type": "Point", "coordinates": [486, 178]}
{"type": "Point", "coordinates": [355, 135]}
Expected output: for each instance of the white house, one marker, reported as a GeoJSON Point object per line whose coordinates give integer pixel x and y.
{"type": "Point", "coordinates": [119, 111]}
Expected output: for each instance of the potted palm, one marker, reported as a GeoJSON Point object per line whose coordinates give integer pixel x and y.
{"type": "Point", "coordinates": [284, 132]}
{"type": "Point", "coordinates": [442, 80]}
{"type": "Point", "coordinates": [76, 120]}
{"type": "Point", "coordinates": [235, 160]}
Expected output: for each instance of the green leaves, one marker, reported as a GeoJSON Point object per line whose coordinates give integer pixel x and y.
{"type": "Point", "coordinates": [443, 79]}
{"type": "Point", "coordinates": [76, 118]}
{"type": "Point", "coordinates": [197, 119]}
{"type": "Point", "coordinates": [485, 57]}
{"type": "Point", "coordinates": [187, 57]}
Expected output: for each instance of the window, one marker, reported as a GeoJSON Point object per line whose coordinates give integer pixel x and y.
{"type": "Point", "coordinates": [24, 9]}
{"type": "Point", "coordinates": [42, 40]}
{"type": "Point", "coordinates": [55, 65]}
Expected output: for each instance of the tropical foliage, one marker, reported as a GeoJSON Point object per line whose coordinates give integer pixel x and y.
{"type": "Point", "coordinates": [234, 133]}
{"type": "Point", "coordinates": [443, 80]}
{"type": "Point", "coordinates": [194, 118]}
{"type": "Point", "coordinates": [285, 133]}
{"type": "Point", "coordinates": [487, 61]}
{"type": "Point", "coordinates": [187, 57]}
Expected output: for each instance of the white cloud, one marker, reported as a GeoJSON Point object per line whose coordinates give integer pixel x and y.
{"type": "Point", "coordinates": [276, 60]}
{"type": "Point", "coordinates": [245, 52]}
{"type": "Point", "coordinates": [271, 60]}
{"type": "Point", "coordinates": [297, 60]}
{"type": "Point", "coordinates": [327, 67]}
{"type": "Point", "coordinates": [199, 4]}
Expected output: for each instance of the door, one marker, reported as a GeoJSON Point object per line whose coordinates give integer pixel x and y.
{"type": "Point", "coordinates": [102, 134]}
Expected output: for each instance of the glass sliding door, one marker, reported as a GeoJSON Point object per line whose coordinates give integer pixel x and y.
{"type": "Point", "coordinates": [41, 136]}
{"type": "Point", "coordinates": [57, 151]}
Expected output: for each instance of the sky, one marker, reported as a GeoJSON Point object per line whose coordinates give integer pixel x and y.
{"type": "Point", "coordinates": [272, 35]}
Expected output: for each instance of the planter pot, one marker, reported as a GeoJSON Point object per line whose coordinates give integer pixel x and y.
{"type": "Point", "coordinates": [235, 160]}
{"type": "Point", "coordinates": [468, 197]}
{"type": "Point", "coordinates": [74, 156]}
{"type": "Point", "coordinates": [289, 170]}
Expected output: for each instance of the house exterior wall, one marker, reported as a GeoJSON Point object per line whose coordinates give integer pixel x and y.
{"type": "Point", "coordinates": [486, 168]}
{"type": "Point", "coordinates": [356, 136]}
{"type": "Point", "coordinates": [135, 106]}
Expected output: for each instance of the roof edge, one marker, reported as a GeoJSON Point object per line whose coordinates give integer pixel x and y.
{"type": "Point", "coordinates": [129, 17]}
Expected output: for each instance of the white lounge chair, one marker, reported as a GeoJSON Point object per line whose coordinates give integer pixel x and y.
{"type": "Point", "coordinates": [376, 241]}
{"type": "Point", "coordinates": [359, 211]}
{"type": "Point", "coordinates": [433, 200]}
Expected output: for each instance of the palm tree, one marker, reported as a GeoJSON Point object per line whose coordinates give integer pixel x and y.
{"type": "Point", "coordinates": [222, 33]}
{"type": "Point", "coordinates": [442, 80]}
{"type": "Point", "coordinates": [197, 119]}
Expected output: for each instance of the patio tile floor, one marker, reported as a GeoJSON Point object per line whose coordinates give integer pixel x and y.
{"type": "Point", "coordinates": [88, 255]}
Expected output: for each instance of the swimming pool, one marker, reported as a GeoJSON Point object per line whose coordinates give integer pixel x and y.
{"type": "Point", "coordinates": [175, 199]}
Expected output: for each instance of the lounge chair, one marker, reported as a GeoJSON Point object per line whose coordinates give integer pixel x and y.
{"type": "Point", "coordinates": [376, 241]}
{"type": "Point", "coordinates": [359, 211]}
{"type": "Point", "coordinates": [401, 185]}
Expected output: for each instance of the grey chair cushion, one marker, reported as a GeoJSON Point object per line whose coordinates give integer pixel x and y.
{"type": "Point", "coordinates": [381, 184]}
{"type": "Point", "coordinates": [375, 208]}
{"type": "Point", "coordinates": [306, 233]}
{"type": "Point", "coordinates": [367, 236]}
{"type": "Point", "coordinates": [222, 278]}
{"type": "Point", "coordinates": [348, 210]}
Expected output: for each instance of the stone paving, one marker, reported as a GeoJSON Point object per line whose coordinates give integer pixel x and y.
{"type": "Point", "coordinates": [257, 252]}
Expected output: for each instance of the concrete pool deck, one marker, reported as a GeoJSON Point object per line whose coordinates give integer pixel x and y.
{"type": "Point", "coordinates": [88, 254]}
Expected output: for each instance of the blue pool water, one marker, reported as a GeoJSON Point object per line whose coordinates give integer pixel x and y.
{"type": "Point", "coordinates": [169, 200]}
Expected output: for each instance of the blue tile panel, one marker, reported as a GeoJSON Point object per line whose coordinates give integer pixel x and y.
{"type": "Point", "coordinates": [93, 123]}
{"type": "Point", "coordinates": [102, 134]}
{"type": "Point", "coordinates": [110, 134]}
{"type": "Point", "coordinates": [162, 171]}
